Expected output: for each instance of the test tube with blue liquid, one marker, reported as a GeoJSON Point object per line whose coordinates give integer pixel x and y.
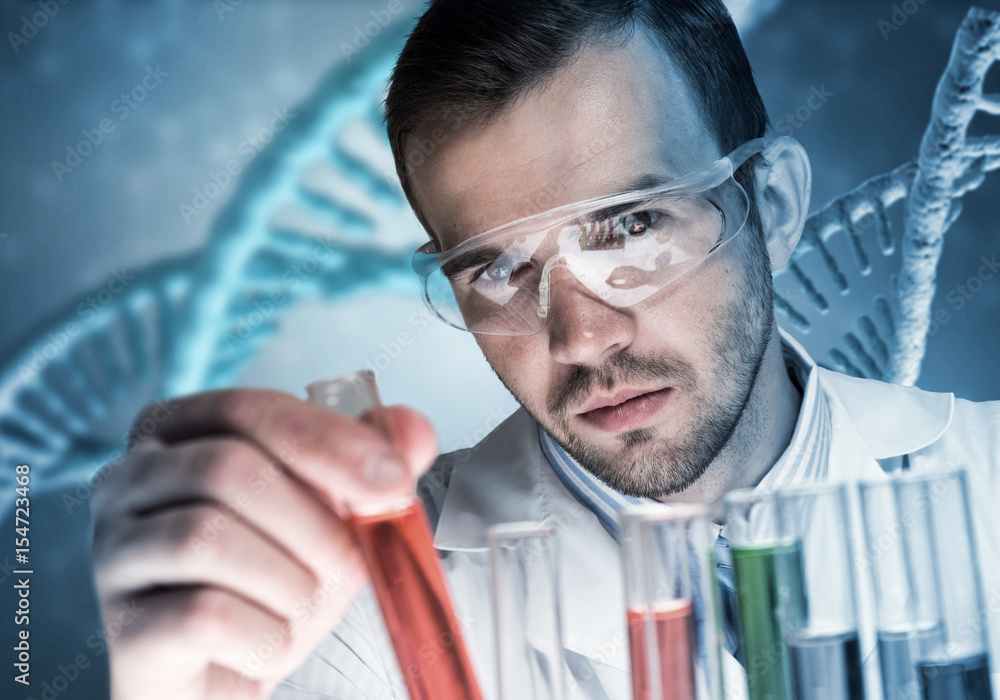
{"type": "Point", "coordinates": [928, 592]}
{"type": "Point", "coordinates": [821, 628]}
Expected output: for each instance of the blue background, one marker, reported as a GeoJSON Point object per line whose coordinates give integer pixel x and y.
{"type": "Point", "coordinates": [229, 66]}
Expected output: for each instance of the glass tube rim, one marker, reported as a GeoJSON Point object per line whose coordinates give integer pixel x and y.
{"type": "Point", "coordinates": [911, 477]}
{"type": "Point", "coordinates": [747, 496]}
{"type": "Point", "coordinates": [360, 376]}
{"type": "Point", "coordinates": [813, 488]}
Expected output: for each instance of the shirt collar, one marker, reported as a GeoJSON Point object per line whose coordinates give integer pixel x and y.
{"type": "Point", "coordinates": [805, 459]}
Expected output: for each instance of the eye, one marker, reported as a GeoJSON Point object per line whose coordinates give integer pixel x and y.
{"type": "Point", "coordinates": [497, 271]}
{"type": "Point", "coordinates": [500, 270]}
{"type": "Point", "coordinates": [637, 222]}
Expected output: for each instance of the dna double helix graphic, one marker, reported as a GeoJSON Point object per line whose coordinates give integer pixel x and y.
{"type": "Point", "coordinates": [878, 245]}
{"type": "Point", "coordinates": [319, 214]}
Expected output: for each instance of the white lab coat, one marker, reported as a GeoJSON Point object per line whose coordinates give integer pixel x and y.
{"type": "Point", "coordinates": [506, 478]}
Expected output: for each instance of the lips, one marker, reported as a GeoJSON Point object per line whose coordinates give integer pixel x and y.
{"type": "Point", "coordinates": [628, 409]}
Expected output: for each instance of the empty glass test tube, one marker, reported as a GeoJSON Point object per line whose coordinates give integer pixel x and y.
{"type": "Point", "coordinates": [767, 565]}
{"type": "Point", "coordinates": [821, 630]}
{"type": "Point", "coordinates": [524, 560]}
{"type": "Point", "coordinates": [406, 575]}
{"type": "Point", "coordinates": [669, 589]}
{"type": "Point", "coordinates": [928, 592]}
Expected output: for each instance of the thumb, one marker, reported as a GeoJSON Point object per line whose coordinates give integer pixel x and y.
{"type": "Point", "coordinates": [413, 436]}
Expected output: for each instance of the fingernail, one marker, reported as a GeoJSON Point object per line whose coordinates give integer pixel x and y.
{"type": "Point", "coordinates": [382, 471]}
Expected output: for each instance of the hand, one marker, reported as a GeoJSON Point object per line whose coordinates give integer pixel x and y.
{"type": "Point", "coordinates": [221, 534]}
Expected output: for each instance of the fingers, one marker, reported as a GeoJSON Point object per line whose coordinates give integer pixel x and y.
{"type": "Point", "coordinates": [413, 437]}
{"type": "Point", "coordinates": [197, 642]}
{"type": "Point", "coordinates": [224, 523]}
{"type": "Point", "coordinates": [345, 460]}
{"type": "Point", "coordinates": [171, 548]}
{"type": "Point", "coordinates": [245, 485]}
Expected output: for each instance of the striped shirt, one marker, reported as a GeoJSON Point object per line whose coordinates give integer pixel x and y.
{"type": "Point", "coordinates": [805, 458]}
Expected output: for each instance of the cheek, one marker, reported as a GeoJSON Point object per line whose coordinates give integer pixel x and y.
{"type": "Point", "coordinates": [520, 362]}
{"type": "Point", "coordinates": [687, 316]}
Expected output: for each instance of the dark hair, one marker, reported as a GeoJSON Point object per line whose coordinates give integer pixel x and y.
{"type": "Point", "coordinates": [466, 61]}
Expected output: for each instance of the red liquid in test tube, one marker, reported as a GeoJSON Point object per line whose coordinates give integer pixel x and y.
{"type": "Point", "coordinates": [405, 572]}
{"type": "Point", "coordinates": [674, 639]}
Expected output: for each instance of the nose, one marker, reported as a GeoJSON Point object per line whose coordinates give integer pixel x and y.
{"type": "Point", "coordinates": [583, 329]}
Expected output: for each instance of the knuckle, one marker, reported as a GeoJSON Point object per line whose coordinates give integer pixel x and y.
{"type": "Point", "coordinates": [228, 464]}
{"type": "Point", "coordinates": [241, 407]}
{"type": "Point", "coordinates": [144, 424]}
{"type": "Point", "coordinates": [207, 616]}
{"type": "Point", "coordinates": [195, 534]}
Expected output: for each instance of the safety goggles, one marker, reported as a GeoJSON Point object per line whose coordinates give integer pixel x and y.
{"type": "Point", "coordinates": [623, 248]}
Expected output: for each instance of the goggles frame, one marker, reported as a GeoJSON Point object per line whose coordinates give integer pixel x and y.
{"type": "Point", "coordinates": [426, 260]}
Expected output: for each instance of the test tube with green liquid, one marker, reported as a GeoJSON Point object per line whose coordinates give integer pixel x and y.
{"type": "Point", "coordinates": [768, 576]}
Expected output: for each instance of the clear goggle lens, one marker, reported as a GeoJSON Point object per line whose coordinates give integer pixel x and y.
{"type": "Point", "coordinates": [623, 249]}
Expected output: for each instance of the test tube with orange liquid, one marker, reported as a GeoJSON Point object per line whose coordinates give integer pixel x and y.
{"type": "Point", "coordinates": [668, 572]}
{"type": "Point", "coordinates": [406, 575]}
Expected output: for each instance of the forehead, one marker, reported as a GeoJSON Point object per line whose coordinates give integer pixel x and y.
{"type": "Point", "coordinates": [613, 115]}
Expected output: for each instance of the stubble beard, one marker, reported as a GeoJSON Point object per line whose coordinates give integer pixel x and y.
{"type": "Point", "coordinates": [646, 463]}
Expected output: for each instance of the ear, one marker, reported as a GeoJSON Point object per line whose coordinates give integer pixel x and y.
{"type": "Point", "coordinates": [783, 191]}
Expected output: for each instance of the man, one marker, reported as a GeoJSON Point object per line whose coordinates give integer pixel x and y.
{"type": "Point", "coordinates": [640, 341]}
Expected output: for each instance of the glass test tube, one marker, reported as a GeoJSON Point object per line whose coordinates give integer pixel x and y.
{"type": "Point", "coordinates": [525, 576]}
{"type": "Point", "coordinates": [821, 633]}
{"type": "Point", "coordinates": [669, 582]}
{"type": "Point", "coordinates": [928, 594]}
{"type": "Point", "coordinates": [768, 571]}
{"type": "Point", "coordinates": [405, 572]}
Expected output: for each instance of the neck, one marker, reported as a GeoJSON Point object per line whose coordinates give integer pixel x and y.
{"type": "Point", "coordinates": [758, 440]}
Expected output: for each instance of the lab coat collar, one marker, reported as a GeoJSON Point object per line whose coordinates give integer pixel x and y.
{"type": "Point", "coordinates": [499, 480]}
{"type": "Point", "coordinates": [891, 419]}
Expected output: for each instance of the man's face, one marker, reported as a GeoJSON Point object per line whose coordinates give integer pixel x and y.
{"type": "Point", "coordinates": [643, 396]}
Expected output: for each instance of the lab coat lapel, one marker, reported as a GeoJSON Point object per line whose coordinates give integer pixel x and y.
{"type": "Point", "coordinates": [497, 481]}
{"type": "Point", "coordinates": [507, 480]}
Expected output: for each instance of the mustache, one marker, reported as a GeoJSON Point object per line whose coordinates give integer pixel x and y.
{"type": "Point", "coordinates": [622, 368]}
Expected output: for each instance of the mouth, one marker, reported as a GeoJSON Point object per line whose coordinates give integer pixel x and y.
{"type": "Point", "coordinates": [627, 410]}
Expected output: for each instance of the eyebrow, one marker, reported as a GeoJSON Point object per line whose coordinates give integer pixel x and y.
{"type": "Point", "coordinates": [642, 182]}
{"type": "Point", "coordinates": [646, 181]}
